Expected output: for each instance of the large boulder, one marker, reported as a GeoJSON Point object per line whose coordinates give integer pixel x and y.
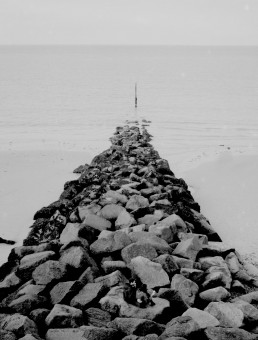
{"type": "Point", "coordinates": [71, 233]}
{"type": "Point", "coordinates": [174, 221]}
{"type": "Point", "coordinates": [24, 304]}
{"type": "Point", "coordinates": [83, 333]}
{"type": "Point", "coordinates": [97, 317]}
{"type": "Point", "coordinates": [227, 313]}
{"type": "Point", "coordinates": [49, 272]}
{"type": "Point", "coordinates": [112, 279]}
{"type": "Point", "coordinates": [138, 249]}
{"type": "Point", "coordinates": [250, 312]}
{"type": "Point", "coordinates": [150, 273]}
{"type": "Point", "coordinates": [137, 326]}
{"type": "Point", "coordinates": [75, 257]}
{"type": "Point", "coordinates": [113, 196]}
{"type": "Point", "coordinates": [63, 316]}
{"type": "Point", "coordinates": [112, 242]}
{"type": "Point", "coordinates": [9, 283]}
{"type": "Point", "coordinates": [185, 287]}
{"type": "Point", "coordinates": [163, 231]}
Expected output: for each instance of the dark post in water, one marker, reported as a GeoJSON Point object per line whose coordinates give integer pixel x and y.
{"type": "Point", "coordinates": [135, 101]}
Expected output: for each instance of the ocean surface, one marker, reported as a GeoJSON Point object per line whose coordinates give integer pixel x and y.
{"type": "Point", "coordinates": [198, 99]}
{"type": "Point", "coordinates": [60, 105]}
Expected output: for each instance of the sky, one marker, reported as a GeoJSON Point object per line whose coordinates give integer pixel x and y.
{"type": "Point", "coordinates": [133, 22]}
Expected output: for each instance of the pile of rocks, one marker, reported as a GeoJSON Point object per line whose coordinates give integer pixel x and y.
{"type": "Point", "coordinates": [126, 214]}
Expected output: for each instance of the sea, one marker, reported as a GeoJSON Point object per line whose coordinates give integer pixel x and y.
{"type": "Point", "coordinates": [196, 102]}
{"type": "Point", "coordinates": [198, 99]}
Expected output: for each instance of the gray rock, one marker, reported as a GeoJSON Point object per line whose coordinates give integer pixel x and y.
{"type": "Point", "coordinates": [219, 333]}
{"type": "Point", "coordinates": [150, 219]}
{"type": "Point", "coordinates": [83, 333]}
{"type": "Point", "coordinates": [232, 263]}
{"type": "Point", "coordinates": [125, 220]}
{"type": "Point", "coordinates": [113, 279]}
{"type": "Point", "coordinates": [76, 257]}
{"type": "Point", "coordinates": [168, 263]}
{"type": "Point", "coordinates": [63, 292]}
{"type": "Point", "coordinates": [174, 221]}
{"type": "Point", "coordinates": [227, 313]}
{"type": "Point", "coordinates": [185, 287]}
{"type": "Point", "coordinates": [181, 326]}
{"type": "Point", "coordinates": [250, 312]}
{"type": "Point", "coordinates": [203, 239]}
{"type": "Point", "coordinates": [30, 289]}
{"type": "Point", "coordinates": [111, 211]}
{"type": "Point", "coordinates": [85, 210]}
{"type": "Point", "coordinates": [188, 248]}
{"type": "Point", "coordinates": [71, 233]}
{"type": "Point", "coordinates": [88, 294]}
{"type": "Point", "coordinates": [28, 337]}
{"type": "Point", "coordinates": [49, 272]}
{"type": "Point", "coordinates": [150, 273]}
{"type": "Point", "coordinates": [137, 326]}
{"type": "Point", "coordinates": [26, 303]}
{"type": "Point", "coordinates": [214, 294]}
{"type": "Point", "coordinates": [19, 324]}
{"type": "Point", "coordinates": [97, 222]}
{"type": "Point", "coordinates": [115, 197]}
{"type": "Point", "coordinates": [138, 249]}
{"type": "Point", "coordinates": [38, 316]}
{"type": "Point", "coordinates": [114, 241]}
{"type": "Point", "coordinates": [97, 317]}
{"type": "Point", "coordinates": [63, 316]}
{"type": "Point", "coordinates": [178, 305]}
{"type": "Point", "coordinates": [30, 262]}
{"type": "Point", "coordinates": [202, 318]}
{"type": "Point", "coordinates": [185, 263]}
{"type": "Point", "coordinates": [136, 202]}
{"type": "Point", "coordinates": [4, 335]}
{"type": "Point", "coordinates": [162, 231]}
{"type": "Point", "coordinates": [111, 266]}
{"type": "Point", "coordinates": [196, 275]}
{"type": "Point", "coordinates": [19, 252]}
{"type": "Point", "coordinates": [9, 283]}
{"type": "Point", "coordinates": [160, 245]}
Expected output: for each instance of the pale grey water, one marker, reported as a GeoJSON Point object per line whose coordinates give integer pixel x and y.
{"type": "Point", "coordinates": [71, 98]}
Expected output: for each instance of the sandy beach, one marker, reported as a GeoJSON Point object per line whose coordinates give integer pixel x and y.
{"type": "Point", "coordinates": [30, 180]}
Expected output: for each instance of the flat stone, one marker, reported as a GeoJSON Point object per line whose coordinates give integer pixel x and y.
{"type": "Point", "coordinates": [71, 233]}
{"type": "Point", "coordinates": [137, 201]}
{"type": "Point", "coordinates": [227, 313]}
{"type": "Point", "coordinates": [112, 242]}
{"type": "Point", "coordinates": [185, 287]}
{"type": "Point", "coordinates": [138, 249]}
{"type": "Point", "coordinates": [87, 295]}
{"type": "Point", "coordinates": [49, 272]}
{"type": "Point", "coordinates": [188, 248]}
{"type": "Point", "coordinates": [83, 333]}
{"type": "Point", "coordinates": [202, 318]}
{"type": "Point", "coordinates": [150, 273]}
{"type": "Point", "coordinates": [111, 266]}
{"type": "Point", "coordinates": [21, 251]}
{"type": "Point", "coordinates": [63, 292]}
{"type": "Point", "coordinates": [30, 289]}
{"type": "Point", "coordinates": [150, 219]}
{"type": "Point", "coordinates": [97, 222]}
{"type": "Point", "coordinates": [203, 239]}
{"type": "Point", "coordinates": [137, 326]}
{"type": "Point", "coordinates": [125, 220]}
{"type": "Point", "coordinates": [214, 294]}
{"type": "Point", "coordinates": [63, 316]}
{"type": "Point", "coordinates": [111, 211]}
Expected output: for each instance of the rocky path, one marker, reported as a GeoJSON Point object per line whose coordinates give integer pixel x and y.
{"type": "Point", "coordinates": [127, 214]}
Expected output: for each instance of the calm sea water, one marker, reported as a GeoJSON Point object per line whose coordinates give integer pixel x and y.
{"type": "Point", "coordinates": [71, 98]}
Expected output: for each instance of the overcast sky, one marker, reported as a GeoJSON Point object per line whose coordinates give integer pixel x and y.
{"type": "Point", "coordinates": [172, 22]}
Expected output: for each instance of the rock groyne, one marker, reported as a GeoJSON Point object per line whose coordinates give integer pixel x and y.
{"type": "Point", "coordinates": [126, 215]}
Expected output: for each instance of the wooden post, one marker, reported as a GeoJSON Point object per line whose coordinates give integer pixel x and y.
{"type": "Point", "coordinates": [135, 98]}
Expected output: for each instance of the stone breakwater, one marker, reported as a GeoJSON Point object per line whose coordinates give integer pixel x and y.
{"type": "Point", "coordinates": [127, 214]}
